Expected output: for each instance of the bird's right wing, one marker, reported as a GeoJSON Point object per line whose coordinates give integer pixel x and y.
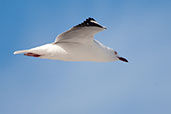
{"type": "Point", "coordinates": [81, 33]}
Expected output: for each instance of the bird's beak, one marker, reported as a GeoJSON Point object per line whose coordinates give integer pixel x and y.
{"type": "Point", "coordinates": [104, 27]}
{"type": "Point", "coordinates": [122, 59]}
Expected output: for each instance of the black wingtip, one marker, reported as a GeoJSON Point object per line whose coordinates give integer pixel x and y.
{"type": "Point", "coordinates": [90, 18]}
{"type": "Point", "coordinates": [89, 22]}
{"type": "Point", "coordinates": [122, 59]}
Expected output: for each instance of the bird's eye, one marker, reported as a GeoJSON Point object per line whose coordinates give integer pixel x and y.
{"type": "Point", "coordinates": [115, 52]}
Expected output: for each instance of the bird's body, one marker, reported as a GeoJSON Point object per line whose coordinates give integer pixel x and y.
{"type": "Point", "coordinates": [76, 44]}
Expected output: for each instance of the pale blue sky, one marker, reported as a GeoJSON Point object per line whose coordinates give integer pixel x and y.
{"type": "Point", "coordinates": [139, 30]}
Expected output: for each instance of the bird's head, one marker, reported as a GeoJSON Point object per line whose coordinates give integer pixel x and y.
{"type": "Point", "coordinates": [120, 58]}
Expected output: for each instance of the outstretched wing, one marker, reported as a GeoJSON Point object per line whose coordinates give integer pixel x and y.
{"type": "Point", "coordinates": [81, 33]}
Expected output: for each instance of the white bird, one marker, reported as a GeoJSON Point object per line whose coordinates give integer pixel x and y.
{"type": "Point", "coordinates": [76, 44]}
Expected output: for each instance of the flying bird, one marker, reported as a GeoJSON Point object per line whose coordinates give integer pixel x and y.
{"type": "Point", "coordinates": [76, 44]}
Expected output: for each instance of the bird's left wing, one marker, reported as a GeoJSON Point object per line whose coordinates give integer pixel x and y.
{"type": "Point", "coordinates": [81, 33]}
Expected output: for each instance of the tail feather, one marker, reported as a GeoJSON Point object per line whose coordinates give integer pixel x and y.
{"type": "Point", "coordinates": [27, 53]}
{"type": "Point", "coordinates": [20, 51]}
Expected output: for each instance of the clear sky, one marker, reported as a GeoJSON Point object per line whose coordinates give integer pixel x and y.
{"type": "Point", "coordinates": [139, 30]}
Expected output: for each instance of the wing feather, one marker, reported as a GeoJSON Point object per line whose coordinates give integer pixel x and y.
{"type": "Point", "coordinates": [81, 33]}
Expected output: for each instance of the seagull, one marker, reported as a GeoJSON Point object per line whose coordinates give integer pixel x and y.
{"type": "Point", "coordinates": [76, 44]}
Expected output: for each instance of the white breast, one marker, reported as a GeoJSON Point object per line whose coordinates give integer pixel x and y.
{"type": "Point", "coordinates": [78, 52]}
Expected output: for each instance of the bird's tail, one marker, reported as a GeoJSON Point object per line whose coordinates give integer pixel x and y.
{"type": "Point", "coordinates": [28, 53]}
{"type": "Point", "coordinates": [20, 51]}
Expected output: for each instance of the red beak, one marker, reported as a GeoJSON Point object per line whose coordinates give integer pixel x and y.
{"type": "Point", "coordinates": [122, 59]}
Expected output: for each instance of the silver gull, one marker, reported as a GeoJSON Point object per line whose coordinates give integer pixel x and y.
{"type": "Point", "coordinates": [76, 44]}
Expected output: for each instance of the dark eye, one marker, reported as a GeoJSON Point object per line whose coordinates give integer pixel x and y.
{"type": "Point", "coordinates": [115, 52]}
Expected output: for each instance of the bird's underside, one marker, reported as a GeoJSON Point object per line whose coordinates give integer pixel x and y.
{"type": "Point", "coordinates": [76, 44]}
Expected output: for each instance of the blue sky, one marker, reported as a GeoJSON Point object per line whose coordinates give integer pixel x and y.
{"type": "Point", "coordinates": [139, 30]}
